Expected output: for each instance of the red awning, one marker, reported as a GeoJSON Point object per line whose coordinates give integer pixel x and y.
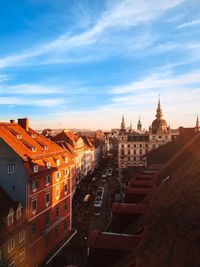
{"type": "Point", "coordinates": [113, 241]}
{"type": "Point", "coordinates": [126, 208]}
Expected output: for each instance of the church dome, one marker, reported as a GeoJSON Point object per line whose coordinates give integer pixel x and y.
{"type": "Point", "coordinates": [159, 125]}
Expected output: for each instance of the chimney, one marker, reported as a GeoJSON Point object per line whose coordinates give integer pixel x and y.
{"type": "Point", "coordinates": [24, 123]}
{"type": "Point", "coordinates": [12, 121]}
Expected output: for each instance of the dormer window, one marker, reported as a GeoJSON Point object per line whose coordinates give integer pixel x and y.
{"type": "Point", "coordinates": [33, 135]}
{"type": "Point", "coordinates": [33, 149]}
{"type": "Point", "coordinates": [46, 147]}
{"type": "Point", "coordinates": [19, 211]}
{"type": "Point", "coordinates": [48, 164]}
{"type": "Point", "coordinates": [10, 217]}
{"type": "Point", "coordinates": [66, 159]}
{"type": "Point", "coordinates": [19, 136]}
{"type": "Point", "coordinates": [35, 168]}
{"type": "Point", "coordinates": [58, 162]}
{"type": "Point", "coordinates": [35, 185]}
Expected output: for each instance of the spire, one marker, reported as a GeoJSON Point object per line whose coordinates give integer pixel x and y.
{"type": "Point", "coordinates": [123, 127]}
{"type": "Point", "coordinates": [130, 129]}
{"type": "Point", "coordinates": [159, 110]}
{"type": "Point", "coordinates": [139, 125]}
{"type": "Point", "coordinates": [197, 128]}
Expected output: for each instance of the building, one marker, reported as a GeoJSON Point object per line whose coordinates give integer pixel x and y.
{"type": "Point", "coordinates": [13, 232]}
{"type": "Point", "coordinates": [83, 150]}
{"type": "Point", "coordinates": [133, 145]}
{"type": "Point", "coordinates": [36, 172]}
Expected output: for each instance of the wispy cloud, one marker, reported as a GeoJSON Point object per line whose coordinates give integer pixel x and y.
{"type": "Point", "coordinates": [25, 101]}
{"type": "Point", "coordinates": [119, 15]}
{"type": "Point", "coordinates": [29, 89]}
{"type": "Point", "coordinates": [159, 81]}
{"type": "Point", "coordinates": [189, 24]}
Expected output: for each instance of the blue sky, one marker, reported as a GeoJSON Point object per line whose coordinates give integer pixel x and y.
{"type": "Point", "coordinates": [84, 63]}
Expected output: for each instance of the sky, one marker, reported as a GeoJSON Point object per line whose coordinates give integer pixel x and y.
{"type": "Point", "coordinates": [85, 63]}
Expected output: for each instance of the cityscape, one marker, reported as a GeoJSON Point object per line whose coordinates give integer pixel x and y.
{"type": "Point", "coordinates": [99, 133]}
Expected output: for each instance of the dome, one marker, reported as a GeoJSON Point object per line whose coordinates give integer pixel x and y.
{"type": "Point", "coordinates": [159, 126]}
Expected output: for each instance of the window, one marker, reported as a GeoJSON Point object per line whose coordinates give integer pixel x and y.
{"type": "Point", "coordinates": [129, 159]}
{"type": "Point", "coordinates": [21, 236]}
{"type": "Point", "coordinates": [153, 137]}
{"type": "Point", "coordinates": [129, 145]}
{"type": "Point", "coordinates": [11, 245]}
{"type": "Point", "coordinates": [35, 168]}
{"type": "Point", "coordinates": [129, 152]}
{"type": "Point", "coordinates": [65, 225]}
{"type": "Point", "coordinates": [10, 218]}
{"type": "Point", "coordinates": [35, 185]}
{"type": "Point", "coordinates": [65, 205]}
{"type": "Point", "coordinates": [65, 187]}
{"type": "Point", "coordinates": [140, 145]}
{"type": "Point", "coordinates": [146, 145]}
{"type": "Point", "coordinates": [66, 159]}
{"type": "Point", "coordinates": [65, 172]}
{"type": "Point", "coordinates": [57, 211]}
{"type": "Point", "coordinates": [34, 206]}
{"type": "Point", "coordinates": [57, 192]}
{"type": "Point", "coordinates": [140, 151]}
{"type": "Point", "coordinates": [160, 136]}
{"type": "Point", "coordinates": [47, 180]}
{"type": "Point", "coordinates": [11, 263]}
{"type": "Point", "coordinates": [19, 211]}
{"type": "Point", "coordinates": [47, 199]}
{"type": "Point", "coordinates": [48, 165]}
{"type": "Point", "coordinates": [166, 137]}
{"type": "Point", "coordinates": [134, 152]}
{"type": "Point", "coordinates": [11, 169]}
{"type": "Point", "coordinates": [56, 233]}
{"type": "Point", "coordinates": [57, 176]}
{"type": "Point", "coordinates": [58, 162]}
{"type": "Point", "coordinates": [22, 255]}
{"type": "Point", "coordinates": [122, 145]}
{"type": "Point", "coordinates": [33, 228]}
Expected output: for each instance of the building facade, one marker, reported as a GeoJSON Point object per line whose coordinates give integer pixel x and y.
{"type": "Point", "coordinates": [133, 145]}
{"type": "Point", "coordinates": [36, 172]}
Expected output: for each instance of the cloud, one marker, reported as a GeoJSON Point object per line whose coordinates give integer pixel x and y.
{"type": "Point", "coordinates": [158, 81]}
{"type": "Point", "coordinates": [29, 89]}
{"type": "Point", "coordinates": [25, 101]}
{"type": "Point", "coordinates": [119, 15]}
{"type": "Point", "coordinates": [189, 24]}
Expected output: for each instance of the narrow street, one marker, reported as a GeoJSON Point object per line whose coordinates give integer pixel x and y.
{"type": "Point", "coordinates": [85, 220]}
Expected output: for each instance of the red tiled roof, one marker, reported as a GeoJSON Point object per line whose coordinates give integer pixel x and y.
{"type": "Point", "coordinates": [28, 145]}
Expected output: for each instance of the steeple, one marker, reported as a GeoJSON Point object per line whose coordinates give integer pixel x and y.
{"type": "Point", "coordinates": [130, 128]}
{"type": "Point", "coordinates": [139, 125]}
{"type": "Point", "coordinates": [197, 128]}
{"type": "Point", "coordinates": [159, 110]}
{"type": "Point", "coordinates": [123, 127]}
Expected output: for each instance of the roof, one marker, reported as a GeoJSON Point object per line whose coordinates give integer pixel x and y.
{"type": "Point", "coordinates": [28, 144]}
{"type": "Point", "coordinates": [139, 191]}
{"type": "Point", "coordinates": [140, 183]}
{"type": "Point", "coordinates": [113, 241]}
{"type": "Point", "coordinates": [125, 208]}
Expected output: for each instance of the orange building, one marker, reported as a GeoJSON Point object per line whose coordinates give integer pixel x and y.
{"type": "Point", "coordinates": [36, 172]}
{"type": "Point", "coordinates": [82, 150]}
